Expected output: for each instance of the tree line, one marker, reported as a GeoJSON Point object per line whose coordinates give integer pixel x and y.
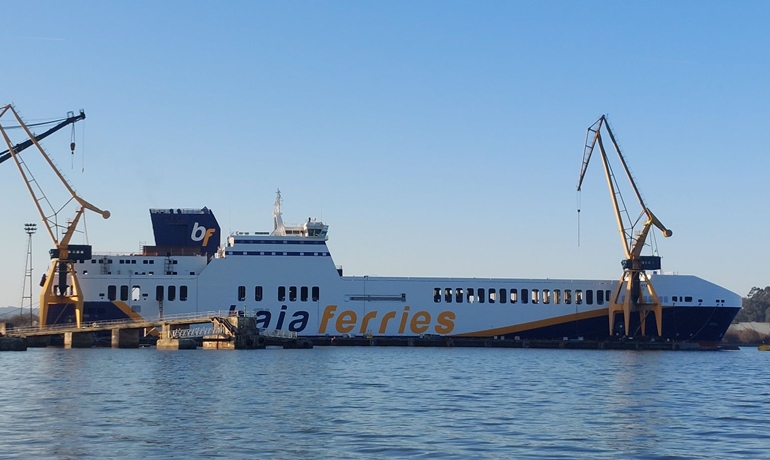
{"type": "Point", "coordinates": [755, 306]}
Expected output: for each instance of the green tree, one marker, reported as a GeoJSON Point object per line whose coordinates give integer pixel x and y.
{"type": "Point", "coordinates": [755, 306]}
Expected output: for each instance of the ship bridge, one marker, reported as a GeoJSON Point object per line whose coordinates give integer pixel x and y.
{"type": "Point", "coordinates": [307, 239]}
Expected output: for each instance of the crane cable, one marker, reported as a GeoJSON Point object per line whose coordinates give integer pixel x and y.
{"type": "Point", "coordinates": [72, 148]}
{"type": "Point", "coordinates": [83, 148]}
{"type": "Point", "coordinates": [31, 125]}
{"type": "Point", "coordinates": [578, 217]}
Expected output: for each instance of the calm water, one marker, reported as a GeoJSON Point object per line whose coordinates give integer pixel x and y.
{"type": "Point", "coordinates": [384, 403]}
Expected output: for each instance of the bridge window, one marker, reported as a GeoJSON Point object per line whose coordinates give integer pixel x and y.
{"type": "Point", "coordinates": [471, 298]}
{"type": "Point", "coordinates": [111, 292]}
{"type": "Point", "coordinates": [492, 296]}
{"type": "Point", "coordinates": [607, 295]}
{"type": "Point", "coordinates": [183, 293]}
{"type": "Point", "coordinates": [535, 295]}
{"type": "Point", "coordinates": [436, 295]}
{"type": "Point", "coordinates": [482, 297]}
{"type": "Point", "coordinates": [590, 297]}
{"type": "Point", "coordinates": [258, 293]}
{"type": "Point", "coordinates": [600, 297]}
{"type": "Point", "coordinates": [514, 295]}
{"type": "Point", "coordinates": [459, 295]}
{"type": "Point", "coordinates": [546, 296]}
{"type": "Point", "coordinates": [448, 295]}
{"type": "Point", "coordinates": [241, 293]}
{"type": "Point", "coordinates": [124, 293]}
{"type": "Point", "coordinates": [578, 296]}
{"type": "Point", "coordinates": [303, 293]}
{"type": "Point", "coordinates": [524, 296]}
{"type": "Point", "coordinates": [136, 293]}
{"type": "Point", "coordinates": [281, 293]}
{"type": "Point", "coordinates": [172, 292]}
{"type": "Point", "coordinates": [556, 296]}
{"type": "Point", "coordinates": [567, 296]}
{"type": "Point", "coordinates": [503, 296]}
{"type": "Point", "coordinates": [316, 294]}
{"type": "Point", "coordinates": [292, 293]}
{"type": "Point", "coordinates": [159, 293]}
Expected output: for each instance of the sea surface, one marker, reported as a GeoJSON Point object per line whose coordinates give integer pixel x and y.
{"type": "Point", "coordinates": [372, 402]}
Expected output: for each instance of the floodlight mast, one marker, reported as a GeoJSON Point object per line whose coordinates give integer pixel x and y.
{"type": "Point", "coordinates": [628, 296]}
{"type": "Point", "coordinates": [63, 289]}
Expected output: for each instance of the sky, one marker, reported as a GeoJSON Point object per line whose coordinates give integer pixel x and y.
{"type": "Point", "coordinates": [435, 138]}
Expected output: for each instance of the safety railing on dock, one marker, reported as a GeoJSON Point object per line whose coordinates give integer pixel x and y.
{"type": "Point", "coordinates": [196, 332]}
{"type": "Point", "coordinates": [53, 328]}
{"type": "Point", "coordinates": [128, 323]}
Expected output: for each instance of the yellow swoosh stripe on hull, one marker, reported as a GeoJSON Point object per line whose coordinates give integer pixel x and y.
{"type": "Point", "coordinates": [536, 324]}
{"type": "Point", "coordinates": [128, 311]}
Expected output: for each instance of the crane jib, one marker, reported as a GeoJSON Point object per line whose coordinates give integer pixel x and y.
{"type": "Point", "coordinates": [6, 154]}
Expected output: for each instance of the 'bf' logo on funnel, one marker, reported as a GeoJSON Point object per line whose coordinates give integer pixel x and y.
{"type": "Point", "coordinates": [200, 232]}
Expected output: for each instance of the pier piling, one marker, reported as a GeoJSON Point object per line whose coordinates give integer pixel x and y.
{"type": "Point", "coordinates": [78, 339]}
{"type": "Point", "coordinates": [125, 338]}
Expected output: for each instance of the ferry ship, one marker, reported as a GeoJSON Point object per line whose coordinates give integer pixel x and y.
{"type": "Point", "coordinates": [288, 280]}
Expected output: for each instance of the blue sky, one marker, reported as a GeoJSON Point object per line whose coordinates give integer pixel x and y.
{"type": "Point", "coordinates": [435, 138]}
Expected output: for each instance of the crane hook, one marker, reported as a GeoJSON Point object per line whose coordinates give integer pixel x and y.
{"type": "Point", "coordinates": [72, 147]}
{"type": "Point", "coordinates": [72, 140]}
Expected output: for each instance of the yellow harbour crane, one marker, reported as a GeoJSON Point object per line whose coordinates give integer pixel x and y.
{"type": "Point", "coordinates": [628, 297]}
{"type": "Point", "coordinates": [60, 285]}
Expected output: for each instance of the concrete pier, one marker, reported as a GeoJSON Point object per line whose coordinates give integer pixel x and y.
{"type": "Point", "coordinates": [78, 339]}
{"type": "Point", "coordinates": [13, 344]}
{"type": "Point", "coordinates": [176, 344]}
{"type": "Point", "coordinates": [125, 338]}
{"type": "Point", "coordinates": [38, 341]}
{"type": "Point", "coordinates": [237, 333]}
{"type": "Point", "coordinates": [298, 343]}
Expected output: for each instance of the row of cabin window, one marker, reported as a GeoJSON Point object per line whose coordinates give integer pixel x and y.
{"type": "Point", "coordinates": [303, 293]}
{"type": "Point", "coordinates": [502, 295]}
{"type": "Point", "coordinates": [136, 293]}
{"type": "Point", "coordinates": [130, 261]}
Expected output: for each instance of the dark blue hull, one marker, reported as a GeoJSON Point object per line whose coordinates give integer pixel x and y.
{"type": "Point", "coordinates": [92, 311]}
{"type": "Point", "coordinates": [680, 324]}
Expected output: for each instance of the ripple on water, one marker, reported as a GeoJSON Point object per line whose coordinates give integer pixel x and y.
{"type": "Point", "coordinates": [383, 403]}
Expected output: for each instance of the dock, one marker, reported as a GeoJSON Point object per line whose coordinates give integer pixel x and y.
{"type": "Point", "coordinates": [477, 342]}
{"type": "Point", "coordinates": [215, 331]}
